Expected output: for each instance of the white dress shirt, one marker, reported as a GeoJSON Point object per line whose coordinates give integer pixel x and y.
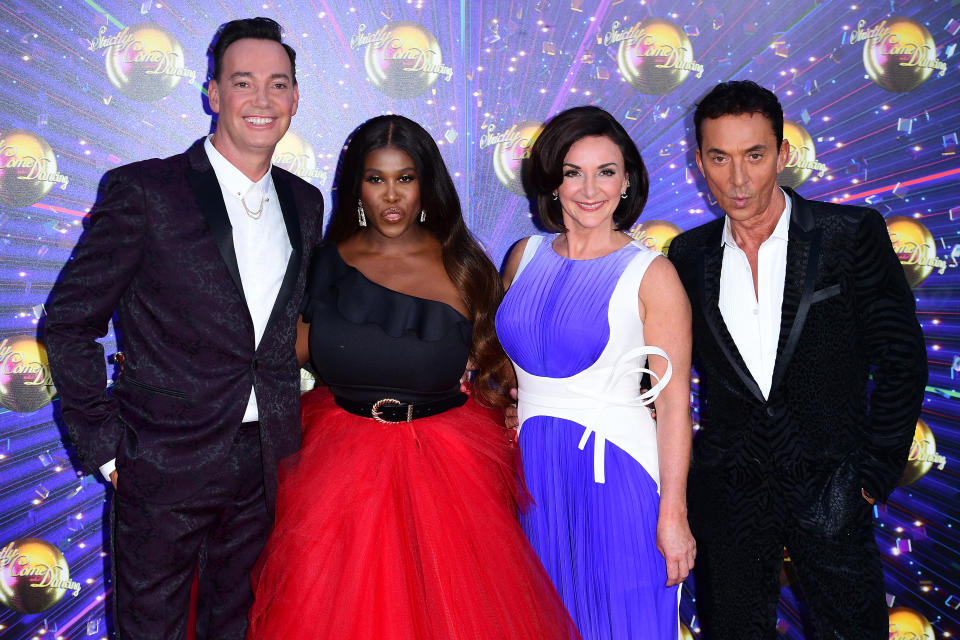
{"type": "Point", "coordinates": [753, 319]}
{"type": "Point", "coordinates": [261, 244]}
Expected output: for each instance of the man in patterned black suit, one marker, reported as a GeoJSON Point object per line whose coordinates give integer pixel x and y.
{"type": "Point", "coordinates": [796, 304]}
{"type": "Point", "coordinates": [203, 256]}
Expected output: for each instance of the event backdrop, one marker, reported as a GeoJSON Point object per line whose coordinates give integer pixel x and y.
{"type": "Point", "coordinates": [870, 91]}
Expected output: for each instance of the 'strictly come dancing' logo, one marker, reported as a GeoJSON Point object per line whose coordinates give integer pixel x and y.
{"type": "Point", "coordinates": [28, 168]}
{"type": "Point", "coordinates": [914, 245]}
{"type": "Point", "coordinates": [295, 154]}
{"type": "Point", "coordinates": [907, 624]}
{"type": "Point", "coordinates": [402, 59]}
{"type": "Point", "coordinates": [144, 62]}
{"type": "Point", "coordinates": [33, 576]}
{"type": "Point", "coordinates": [510, 148]}
{"type": "Point", "coordinates": [899, 54]}
{"type": "Point", "coordinates": [655, 55]}
{"type": "Point", "coordinates": [802, 158]}
{"type": "Point", "coordinates": [656, 234]}
{"type": "Point", "coordinates": [923, 455]}
{"type": "Point", "coordinates": [25, 383]}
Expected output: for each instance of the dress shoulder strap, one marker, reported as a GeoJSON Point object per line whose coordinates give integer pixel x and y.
{"type": "Point", "coordinates": [533, 243]}
{"type": "Point", "coordinates": [637, 267]}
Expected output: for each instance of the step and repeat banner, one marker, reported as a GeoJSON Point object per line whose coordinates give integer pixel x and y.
{"type": "Point", "coordinates": [871, 94]}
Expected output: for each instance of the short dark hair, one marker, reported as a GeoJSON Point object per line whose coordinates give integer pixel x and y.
{"type": "Point", "coordinates": [544, 171]}
{"type": "Point", "coordinates": [256, 28]}
{"type": "Point", "coordinates": [737, 97]}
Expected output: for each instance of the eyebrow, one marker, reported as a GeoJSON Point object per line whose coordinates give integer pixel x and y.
{"type": "Point", "coordinates": [607, 164]}
{"type": "Point", "coordinates": [248, 74]}
{"type": "Point", "coordinates": [407, 169]}
{"type": "Point", "coordinates": [756, 147]}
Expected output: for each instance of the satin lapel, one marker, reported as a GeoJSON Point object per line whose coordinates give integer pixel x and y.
{"type": "Point", "coordinates": [710, 262]}
{"type": "Point", "coordinates": [206, 189]}
{"type": "Point", "coordinates": [803, 250]}
{"type": "Point", "coordinates": [291, 219]}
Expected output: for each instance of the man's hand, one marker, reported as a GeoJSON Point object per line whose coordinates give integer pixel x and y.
{"type": "Point", "coordinates": [511, 420]}
{"type": "Point", "coordinates": [113, 479]}
{"type": "Point", "coordinates": [677, 546]}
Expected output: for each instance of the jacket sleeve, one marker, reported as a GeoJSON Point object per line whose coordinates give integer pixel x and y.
{"type": "Point", "coordinates": [897, 355]}
{"type": "Point", "coordinates": [84, 298]}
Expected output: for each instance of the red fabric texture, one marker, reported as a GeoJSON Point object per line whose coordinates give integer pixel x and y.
{"type": "Point", "coordinates": [402, 531]}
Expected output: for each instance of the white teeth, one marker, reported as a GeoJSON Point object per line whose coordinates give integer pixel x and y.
{"type": "Point", "coordinates": [590, 207]}
{"type": "Point", "coordinates": [255, 120]}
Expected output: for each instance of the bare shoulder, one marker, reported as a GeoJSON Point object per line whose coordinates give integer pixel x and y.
{"type": "Point", "coordinates": [661, 286]}
{"type": "Point", "coordinates": [513, 261]}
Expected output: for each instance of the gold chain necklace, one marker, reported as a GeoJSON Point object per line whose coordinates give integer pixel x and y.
{"type": "Point", "coordinates": [259, 212]}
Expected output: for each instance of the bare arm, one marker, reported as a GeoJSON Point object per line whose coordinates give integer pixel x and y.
{"type": "Point", "coordinates": [513, 262]}
{"type": "Point", "coordinates": [511, 418]}
{"type": "Point", "coordinates": [667, 324]}
{"type": "Point", "coordinates": [303, 341]}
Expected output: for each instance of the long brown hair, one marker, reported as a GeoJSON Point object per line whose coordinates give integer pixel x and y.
{"type": "Point", "coordinates": [471, 271]}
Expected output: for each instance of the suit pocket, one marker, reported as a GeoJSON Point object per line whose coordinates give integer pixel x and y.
{"type": "Point", "coordinates": [839, 510]}
{"type": "Point", "coordinates": [154, 389]}
{"type": "Point", "coordinates": [826, 292]}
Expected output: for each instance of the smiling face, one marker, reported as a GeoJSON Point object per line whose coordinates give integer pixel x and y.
{"type": "Point", "coordinates": [739, 158]}
{"type": "Point", "coordinates": [594, 176]}
{"type": "Point", "coordinates": [390, 191]}
{"type": "Point", "coordinates": [254, 99]}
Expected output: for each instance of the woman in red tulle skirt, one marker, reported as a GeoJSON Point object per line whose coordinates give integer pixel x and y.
{"type": "Point", "coordinates": [398, 517]}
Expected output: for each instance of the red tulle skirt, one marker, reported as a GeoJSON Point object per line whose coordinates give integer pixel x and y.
{"type": "Point", "coordinates": [402, 531]}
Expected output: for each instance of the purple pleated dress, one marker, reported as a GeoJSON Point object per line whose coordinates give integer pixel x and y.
{"type": "Point", "coordinates": [573, 331]}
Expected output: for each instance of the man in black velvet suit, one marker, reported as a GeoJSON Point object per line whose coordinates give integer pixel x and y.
{"type": "Point", "coordinates": [796, 304]}
{"type": "Point", "coordinates": [203, 257]}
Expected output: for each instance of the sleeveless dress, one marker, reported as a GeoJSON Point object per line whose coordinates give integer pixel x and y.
{"type": "Point", "coordinates": [589, 445]}
{"type": "Point", "coordinates": [405, 530]}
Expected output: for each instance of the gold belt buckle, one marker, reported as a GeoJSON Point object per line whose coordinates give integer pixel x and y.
{"type": "Point", "coordinates": [375, 410]}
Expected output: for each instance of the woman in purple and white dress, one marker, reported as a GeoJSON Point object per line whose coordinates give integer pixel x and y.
{"type": "Point", "coordinates": [584, 310]}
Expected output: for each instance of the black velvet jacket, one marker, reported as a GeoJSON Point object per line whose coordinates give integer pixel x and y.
{"type": "Point", "coordinates": [159, 251]}
{"type": "Point", "coordinates": [848, 316]}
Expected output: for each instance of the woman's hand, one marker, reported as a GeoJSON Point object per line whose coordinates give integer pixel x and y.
{"type": "Point", "coordinates": [511, 419]}
{"type": "Point", "coordinates": [677, 546]}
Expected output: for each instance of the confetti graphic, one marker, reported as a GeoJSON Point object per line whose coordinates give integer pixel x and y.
{"type": "Point", "coordinates": [871, 93]}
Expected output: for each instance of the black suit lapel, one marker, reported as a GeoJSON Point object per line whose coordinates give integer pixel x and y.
{"type": "Point", "coordinates": [710, 263]}
{"type": "Point", "coordinates": [291, 219]}
{"type": "Point", "coordinates": [206, 189]}
{"type": "Point", "coordinates": [803, 250]}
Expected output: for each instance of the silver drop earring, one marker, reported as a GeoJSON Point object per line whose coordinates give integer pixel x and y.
{"type": "Point", "coordinates": [423, 215]}
{"type": "Point", "coordinates": [556, 196]}
{"type": "Point", "coordinates": [361, 215]}
{"type": "Point", "coordinates": [623, 196]}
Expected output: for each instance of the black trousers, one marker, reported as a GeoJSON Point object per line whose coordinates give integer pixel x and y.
{"type": "Point", "coordinates": [217, 533]}
{"type": "Point", "coordinates": [742, 522]}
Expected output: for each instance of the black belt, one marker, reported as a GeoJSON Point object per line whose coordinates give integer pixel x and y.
{"type": "Point", "coordinates": [392, 410]}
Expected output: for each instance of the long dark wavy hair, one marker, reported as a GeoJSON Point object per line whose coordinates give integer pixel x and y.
{"type": "Point", "coordinates": [468, 266]}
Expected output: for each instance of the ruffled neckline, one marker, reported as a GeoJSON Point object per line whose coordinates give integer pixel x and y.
{"type": "Point", "coordinates": [360, 300]}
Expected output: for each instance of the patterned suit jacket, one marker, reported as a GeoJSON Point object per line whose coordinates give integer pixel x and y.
{"type": "Point", "coordinates": [159, 252]}
{"type": "Point", "coordinates": [848, 316]}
